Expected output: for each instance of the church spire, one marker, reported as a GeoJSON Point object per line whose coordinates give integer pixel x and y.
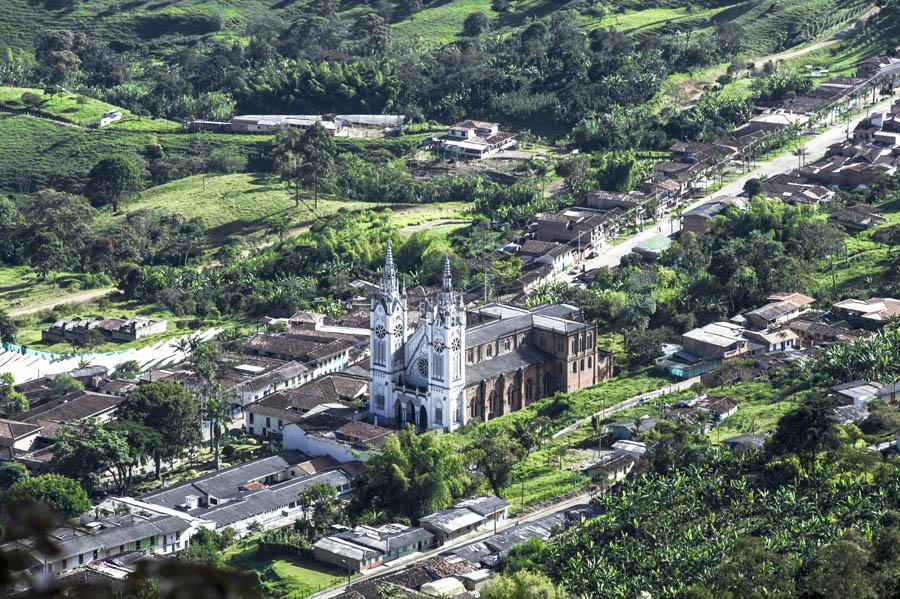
{"type": "Point", "coordinates": [447, 283]}
{"type": "Point", "coordinates": [389, 278]}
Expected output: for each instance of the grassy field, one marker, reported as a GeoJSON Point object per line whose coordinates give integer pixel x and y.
{"type": "Point", "coordinates": [247, 204]}
{"type": "Point", "coordinates": [282, 575]}
{"type": "Point", "coordinates": [650, 18]}
{"type": "Point", "coordinates": [30, 327]}
{"type": "Point", "coordinates": [440, 24]}
{"type": "Point", "coordinates": [20, 286]}
{"type": "Point", "coordinates": [82, 110]}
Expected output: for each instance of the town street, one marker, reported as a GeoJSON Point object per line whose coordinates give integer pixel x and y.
{"type": "Point", "coordinates": [611, 255]}
{"type": "Point", "coordinates": [403, 563]}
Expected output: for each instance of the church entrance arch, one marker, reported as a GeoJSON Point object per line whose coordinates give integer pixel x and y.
{"type": "Point", "coordinates": [411, 414]}
{"type": "Point", "coordinates": [398, 413]}
{"type": "Point", "coordinates": [423, 418]}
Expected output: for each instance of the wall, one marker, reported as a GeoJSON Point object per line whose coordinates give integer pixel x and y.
{"type": "Point", "coordinates": [313, 445]}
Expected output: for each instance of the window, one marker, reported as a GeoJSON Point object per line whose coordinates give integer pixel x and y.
{"type": "Point", "coordinates": [590, 362]}
{"type": "Point", "coordinates": [280, 424]}
{"type": "Point", "coordinates": [489, 351]}
{"type": "Point", "coordinates": [543, 341]}
{"type": "Point", "coordinates": [379, 401]}
{"type": "Point", "coordinates": [529, 390]}
{"type": "Point", "coordinates": [268, 422]}
{"type": "Point", "coordinates": [506, 344]}
{"type": "Point", "coordinates": [251, 417]}
{"type": "Point", "coordinates": [438, 361]}
{"type": "Point", "coordinates": [574, 366]}
{"type": "Point", "coordinates": [582, 363]}
{"type": "Point", "coordinates": [590, 341]}
{"type": "Point", "coordinates": [80, 558]}
{"type": "Point", "coordinates": [575, 345]}
{"type": "Point", "coordinates": [559, 344]}
{"type": "Point", "coordinates": [438, 415]}
{"type": "Point", "coordinates": [547, 381]}
{"type": "Point", "coordinates": [583, 343]}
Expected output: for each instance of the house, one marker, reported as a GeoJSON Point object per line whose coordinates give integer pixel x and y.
{"type": "Point", "coordinates": [857, 393]}
{"type": "Point", "coordinates": [850, 414]}
{"type": "Point", "coordinates": [76, 330]}
{"type": "Point", "coordinates": [607, 200]}
{"type": "Point", "coordinates": [18, 436]}
{"type": "Point", "coordinates": [781, 308]}
{"type": "Point", "coordinates": [612, 470]}
{"type": "Point", "coordinates": [879, 66]}
{"type": "Point", "coordinates": [821, 328]}
{"type": "Point", "coordinates": [263, 491]}
{"type": "Point", "coordinates": [693, 410]}
{"type": "Point", "coordinates": [773, 120]}
{"type": "Point", "coordinates": [775, 339]}
{"type": "Point", "coordinates": [51, 415]}
{"type": "Point", "coordinates": [697, 220]}
{"type": "Point", "coordinates": [870, 314]}
{"type": "Point", "coordinates": [856, 218]}
{"type": "Point", "coordinates": [325, 434]}
{"type": "Point", "coordinates": [320, 351]}
{"type": "Point", "coordinates": [332, 392]}
{"type": "Point", "coordinates": [628, 430]}
{"type": "Point", "coordinates": [143, 529]}
{"type": "Point", "coordinates": [635, 449]}
{"type": "Point", "coordinates": [718, 340]}
{"type": "Point", "coordinates": [584, 227]}
{"type": "Point", "coordinates": [426, 578]}
{"type": "Point", "coordinates": [890, 392]}
{"type": "Point", "coordinates": [745, 442]}
{"type": "Point", "coordinates": [558, 256]}
{"type": "Point", "coordinates": [475, 139]}
{"type": "Point", "coordinates": [470, 515]}
{"type": "Point", "coordinates": [363, 547]}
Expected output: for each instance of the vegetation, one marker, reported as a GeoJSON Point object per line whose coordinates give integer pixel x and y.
{"type": "Point", "coordinates": [61, 494]}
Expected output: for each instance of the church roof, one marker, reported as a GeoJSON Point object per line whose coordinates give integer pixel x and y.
{"type": "Point", "coordinates": [509, 362]}
{"type": "Point", "coordinates": [491, 331]}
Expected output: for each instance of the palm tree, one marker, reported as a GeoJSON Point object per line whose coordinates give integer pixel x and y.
{"type": "Point", "coordinates": [800, 153]}
{"type": "Point", "coordinates": [523, 432]}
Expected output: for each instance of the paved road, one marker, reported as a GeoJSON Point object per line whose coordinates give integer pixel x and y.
{"type": "Point", "coordinates": [611, 255]}
{"type": "Point", "coordinates": [72, 298]}
{"type": "Point", "coordinates": [537, 514]}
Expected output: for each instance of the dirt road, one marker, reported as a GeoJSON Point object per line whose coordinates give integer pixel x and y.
{"type": "Point", "coordinates": [72, 298]}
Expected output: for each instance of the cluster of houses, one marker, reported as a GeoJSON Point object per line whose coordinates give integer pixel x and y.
{"type": "Point", "coordinates": [78, 330]}
{"type": "Point", "coordinates": [787, 326]}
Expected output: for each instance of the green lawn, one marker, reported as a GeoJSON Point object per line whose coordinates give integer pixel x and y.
{"type": "Point", "coordinates": [30, 327]}
{"type": "Point", "coordinates": [83, 110]}
{"type": "Point", "coordinates": [441, 23]}
{"type": "Point", "coordinates": [649, 18]}
{"type": "Point", "coordinates": [20, 286]}
{"type": "Point", "coordinates": [282, 575]}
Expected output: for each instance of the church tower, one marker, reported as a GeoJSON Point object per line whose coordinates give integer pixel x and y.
{"type": "Point", "coordinates": [446, 325]}
{"type": "Point", "coordinates": [387, 323]}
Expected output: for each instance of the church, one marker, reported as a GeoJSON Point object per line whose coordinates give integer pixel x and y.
{"type": "Point", "coordinates": [454, 367]}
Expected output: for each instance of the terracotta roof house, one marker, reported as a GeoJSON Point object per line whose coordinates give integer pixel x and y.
{"type": "Point", "coordinates": [475, 139]}
{"type": "Point", "coordinates": [870, 313]}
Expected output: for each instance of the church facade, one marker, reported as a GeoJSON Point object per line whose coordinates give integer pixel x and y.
{"type": "Point", "coordinates": [454, 367]}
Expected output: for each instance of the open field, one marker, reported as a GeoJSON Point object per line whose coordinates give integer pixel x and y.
{"type": "Point", "coordinates": [20, 286]}
{"type": "Point", "coordinates": [282, 574]}
{"type": "Point", "coordinates": [81, 110]}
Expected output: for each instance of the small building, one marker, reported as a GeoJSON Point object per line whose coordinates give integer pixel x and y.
{"type": "Point", "coordinates": [745, 442]}
{"type": "Point", "coordinates": [608, 200]}
{"type": "Point", "coordinates": [364, 547]}
{"type": "Point", "coordinates": [890, 392]}
{"type": "Point", "coordinates": [465, 517]}
{"type": "Point", "coordinates": [856, 393]}
{"type": "Point", "coordinates": [782, 307]}
{"type": "Point", "coordinates": [635, 449]}
{"type": "Point", "coordinates": [775, 120]}
{"type": "Point", "coordinates": [697, 220]}
{"type": "Point", "coordinates": [872, 313]}
{"type": "Point", "coordinates": [324, 434]}
{"type": "Point", "coordinates": [76, 330]}
{"type": "Point", "coordinates": [612, 470]}
{"type": "Point", "coordinates": [475, 139]}
{"type": "Point", "coordinates": [850, 414]}
{"type": "Point", "coordinates": [774, 340]}
{"type": "Point", "coordinates": [720, 340]}
{"type": "Point", "coordinates": [856, 218]}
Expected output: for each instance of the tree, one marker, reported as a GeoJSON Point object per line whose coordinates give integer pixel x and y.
{"type": "Point", "coordinates": [317, 153]}
{"type": "Point", "coordinates": [495, 455]}
{"type": "Point", "coordinates": [842, 571]}
{"type": "Point", "coordinates": [414, 475]}
{"type": "Point", "coordinates": [47, 254]}
{"type": "Point", "coordinates": [475, 24]}
{"type": "Point", "coordinates": [750, 570]}
{"type": "Point", "coordinates": [10, 474]}
{"type": "Point", "coordinates": [128, 370]}
{"type": "Point", "coordinates": [86, 449]}
{"type": "Point", "coordinates": [522, 585]}
{"type": "Point", "coordinates": [111, 180]}
{"type": "Point", "coordinates": [168, 408]}
{"type": "Point", "coordinates": [674, 445]}
{"type": "Point", "coordinates": [523, 431]}
{"type": "Point", "coordinates": [754, 187]}
{"type": "Point", "coordinates": [11, 401]}
{"type": "Point", "coordinates": [63, 384]}
{"type": "Point", "coordinates": [59, 493]}
{"type": "Point", "coordinates": [318, 501]}
{"type": "Point", "coordinates": [8, 328]}
{"type": "Point", "coordinates": [806, 431]}
{"type": "Point", "coordinates": [501, 6]}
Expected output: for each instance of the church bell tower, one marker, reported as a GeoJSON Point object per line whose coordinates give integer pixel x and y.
{"type": "Point", "coordinates": [388, 326]}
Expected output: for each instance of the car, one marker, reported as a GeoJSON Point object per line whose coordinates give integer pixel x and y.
{"type": "Point", "coordinates": [592, 255]}
{"type": "Point", "coordinates": [574, 271]}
